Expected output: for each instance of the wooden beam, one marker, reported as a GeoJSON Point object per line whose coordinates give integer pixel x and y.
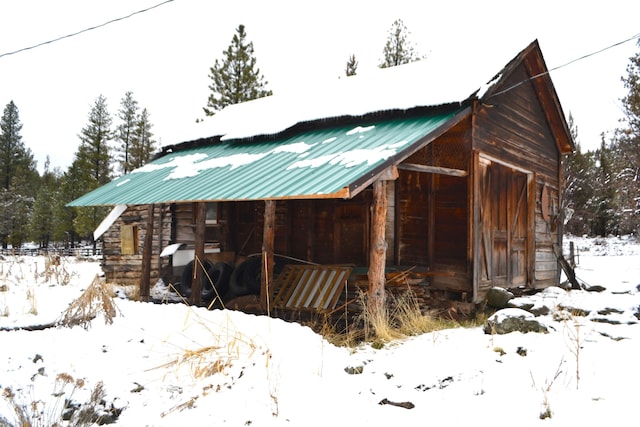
{"type": "Point", "coordinates": [432, 169]}
{"type": "Point", "coordinates": [378, 250]}
{"type": "Point", "coordinates": [146, 256]}
{"type": "Point", "coordinates": [268, 238]}
{"type": "Point", "coordinates": [388, 174]}
{"type": "Point", "coordinates": [198, 262]}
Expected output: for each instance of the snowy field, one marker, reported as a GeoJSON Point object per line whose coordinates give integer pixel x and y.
{"type": "Point", "coordinates": [172, 365]}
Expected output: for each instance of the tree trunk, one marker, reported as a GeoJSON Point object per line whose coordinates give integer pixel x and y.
{"type": "Point", "coordinates": [378, 251]}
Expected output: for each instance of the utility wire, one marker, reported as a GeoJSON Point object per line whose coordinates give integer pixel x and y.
{"type": "Point", "coordinates": [85, 30]}
{"type": "Point", "coordinates": [565, 64]}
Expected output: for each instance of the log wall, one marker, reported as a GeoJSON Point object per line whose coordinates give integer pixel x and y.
{"type": "Point", "coordinates": [127, 269]}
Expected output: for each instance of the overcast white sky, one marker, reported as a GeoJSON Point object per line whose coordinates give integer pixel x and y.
{"type": "Point", "coordinates": [163, 55]}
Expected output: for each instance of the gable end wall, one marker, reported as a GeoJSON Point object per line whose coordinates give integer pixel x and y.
{"type": "Point", "coordinates": [512, 127]}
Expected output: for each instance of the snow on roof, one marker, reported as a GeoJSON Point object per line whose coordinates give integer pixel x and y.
{"type": "Point", "coordinates": [434, 81]}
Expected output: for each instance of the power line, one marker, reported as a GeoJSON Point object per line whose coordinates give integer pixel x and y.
{"type": "Point", "coordinates": [566, 64]}
{"type": "Point", "coordinates": [85, 30]}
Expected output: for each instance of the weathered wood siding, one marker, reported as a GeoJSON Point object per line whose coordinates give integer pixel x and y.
{"type": "Point", "coordinates": [432, 212]}
{"type": "Point", "coordinates": [320, 231]}
{"type": "Point", "coordinates": [127, 269]}
{"type": "Point", "coordinates": [546, 229]}
{"type": "Point", "coordinates": [413, 202]}
{"type": "Point", "coordinates": [184, 217]}
{"type": "Point", "coordinates": [513, 129]}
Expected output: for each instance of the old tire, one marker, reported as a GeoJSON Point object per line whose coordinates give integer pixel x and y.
{"type": "Point", "coordinates": [245, 279]}
{"type": "Point", "coordinates": [218, 286]}
{"type": "Point", "coordinates": [186, 279]}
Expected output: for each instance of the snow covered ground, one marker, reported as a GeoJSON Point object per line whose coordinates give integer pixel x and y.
{"type": "Point", "coordinates": [168, 365]}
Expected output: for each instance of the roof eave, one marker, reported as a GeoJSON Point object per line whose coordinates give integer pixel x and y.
{"type": "Point", "coordinates": [375, 174]}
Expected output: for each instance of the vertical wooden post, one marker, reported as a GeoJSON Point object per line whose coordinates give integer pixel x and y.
{"type": "Point", "coordinates": [378, 250]}
{"type": "Point", "coordinates": [198, 273]}
{"type": "Point", "coordinates": [268, 238]}
{"type": "Point", "coordinates": [147, 249]}
{"type": "Point", "coordinates": [572, 255]}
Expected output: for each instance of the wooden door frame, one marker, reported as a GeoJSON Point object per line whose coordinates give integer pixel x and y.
{"type": "Point", "coordinates": [476, 226]}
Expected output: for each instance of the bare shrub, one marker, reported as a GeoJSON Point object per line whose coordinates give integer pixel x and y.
{"type": "Point", "coordinates": [576, 337]}
{"type": "Point", "coordinates": [61, 409]}
{"type": "Point", "coordinates": [55, 269]}
{"type": "Point", "coordinates": [546, 412]}
{"type": "Point", "coordinates": [95, 300]}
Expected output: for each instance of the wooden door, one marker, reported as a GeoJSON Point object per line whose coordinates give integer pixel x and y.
{"type": "Point", "coordinates": [503, 225]}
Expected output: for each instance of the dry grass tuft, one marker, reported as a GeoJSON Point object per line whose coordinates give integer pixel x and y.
{"type": "Point", "coordinates": [55, 269]}
{"type": "Point", "coordinates": [337, 334]}
{"type": "Point", "coordinates": [4, 307]}
{"type": "Point", "coordinates": [95, 300]}
{"type": "Point", "coordinates": [31, 298]}
{"type": "Point", "coordinates": [214, 359]}
{"type": "Point", "coordinates": [28, 412]}
{"type": "Point", "coordinates": [401, 317]}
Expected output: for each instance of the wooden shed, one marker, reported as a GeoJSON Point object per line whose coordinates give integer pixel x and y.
{"type": "Point", "coordinates": [456, 183]}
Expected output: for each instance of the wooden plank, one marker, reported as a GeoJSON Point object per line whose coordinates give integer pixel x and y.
{"type": "Point", "coordinates": [285, 284]}
{"type": "Point", "coordinates": [568, 270]}
{"type": "Point", "coordinates": [432, 169]}
{"type": "Point", "coordinates": [268, 239]}
{"type": "Point", "coordinates": [198, 274]}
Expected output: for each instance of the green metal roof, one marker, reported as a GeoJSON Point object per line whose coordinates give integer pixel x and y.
{"type": "Point", "coordinates": [322, 163]}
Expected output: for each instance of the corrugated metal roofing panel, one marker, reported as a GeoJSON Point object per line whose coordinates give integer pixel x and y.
{"type": "Point", "coordinates": [312, 164]}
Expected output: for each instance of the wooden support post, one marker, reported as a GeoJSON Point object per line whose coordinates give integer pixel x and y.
{"type": "Point", "coordinates": [572, 255]}
{"type": "Point", "coordinates": [147, 249]}
{"type": "Point", "coordinates": [268, 238]}
{"type": "Point", "coordinates": [198, 273]}
{"type": "Point", "coordinates": [378, 250]}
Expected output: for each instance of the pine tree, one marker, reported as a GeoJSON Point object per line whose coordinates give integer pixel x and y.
{"type": "Point", "coordinates": [398, 49]}
{"type": "Point", "coordinates": [92, 164]}
{"type": "Point", "coordinates": [352, 66]}
{"type": "Point", "coordinates": [42, 220]}
{"type": "Point", "coordinates": [631, 102]}
{"type": "Point", "coordinates": [627, 151]}
{"type": "Point", "coordinates": [128, 115]}
{"type": "Point", "coordinates": [70, 187]}
{"type": "Point", "coordinates": [15, 158]}
{"type": "Point", "coordinates": [18, 179]}
{"type": "Point", "coordinates": [605, 212]}
{"type": "Point", "coordinates": [143, 145]}
{"type": "Point", "coordinates": [94, 154]}
{"type": "Point", "coordinates": [577, 170]}
{"type": "Point", "coordinates": [236, 78]}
